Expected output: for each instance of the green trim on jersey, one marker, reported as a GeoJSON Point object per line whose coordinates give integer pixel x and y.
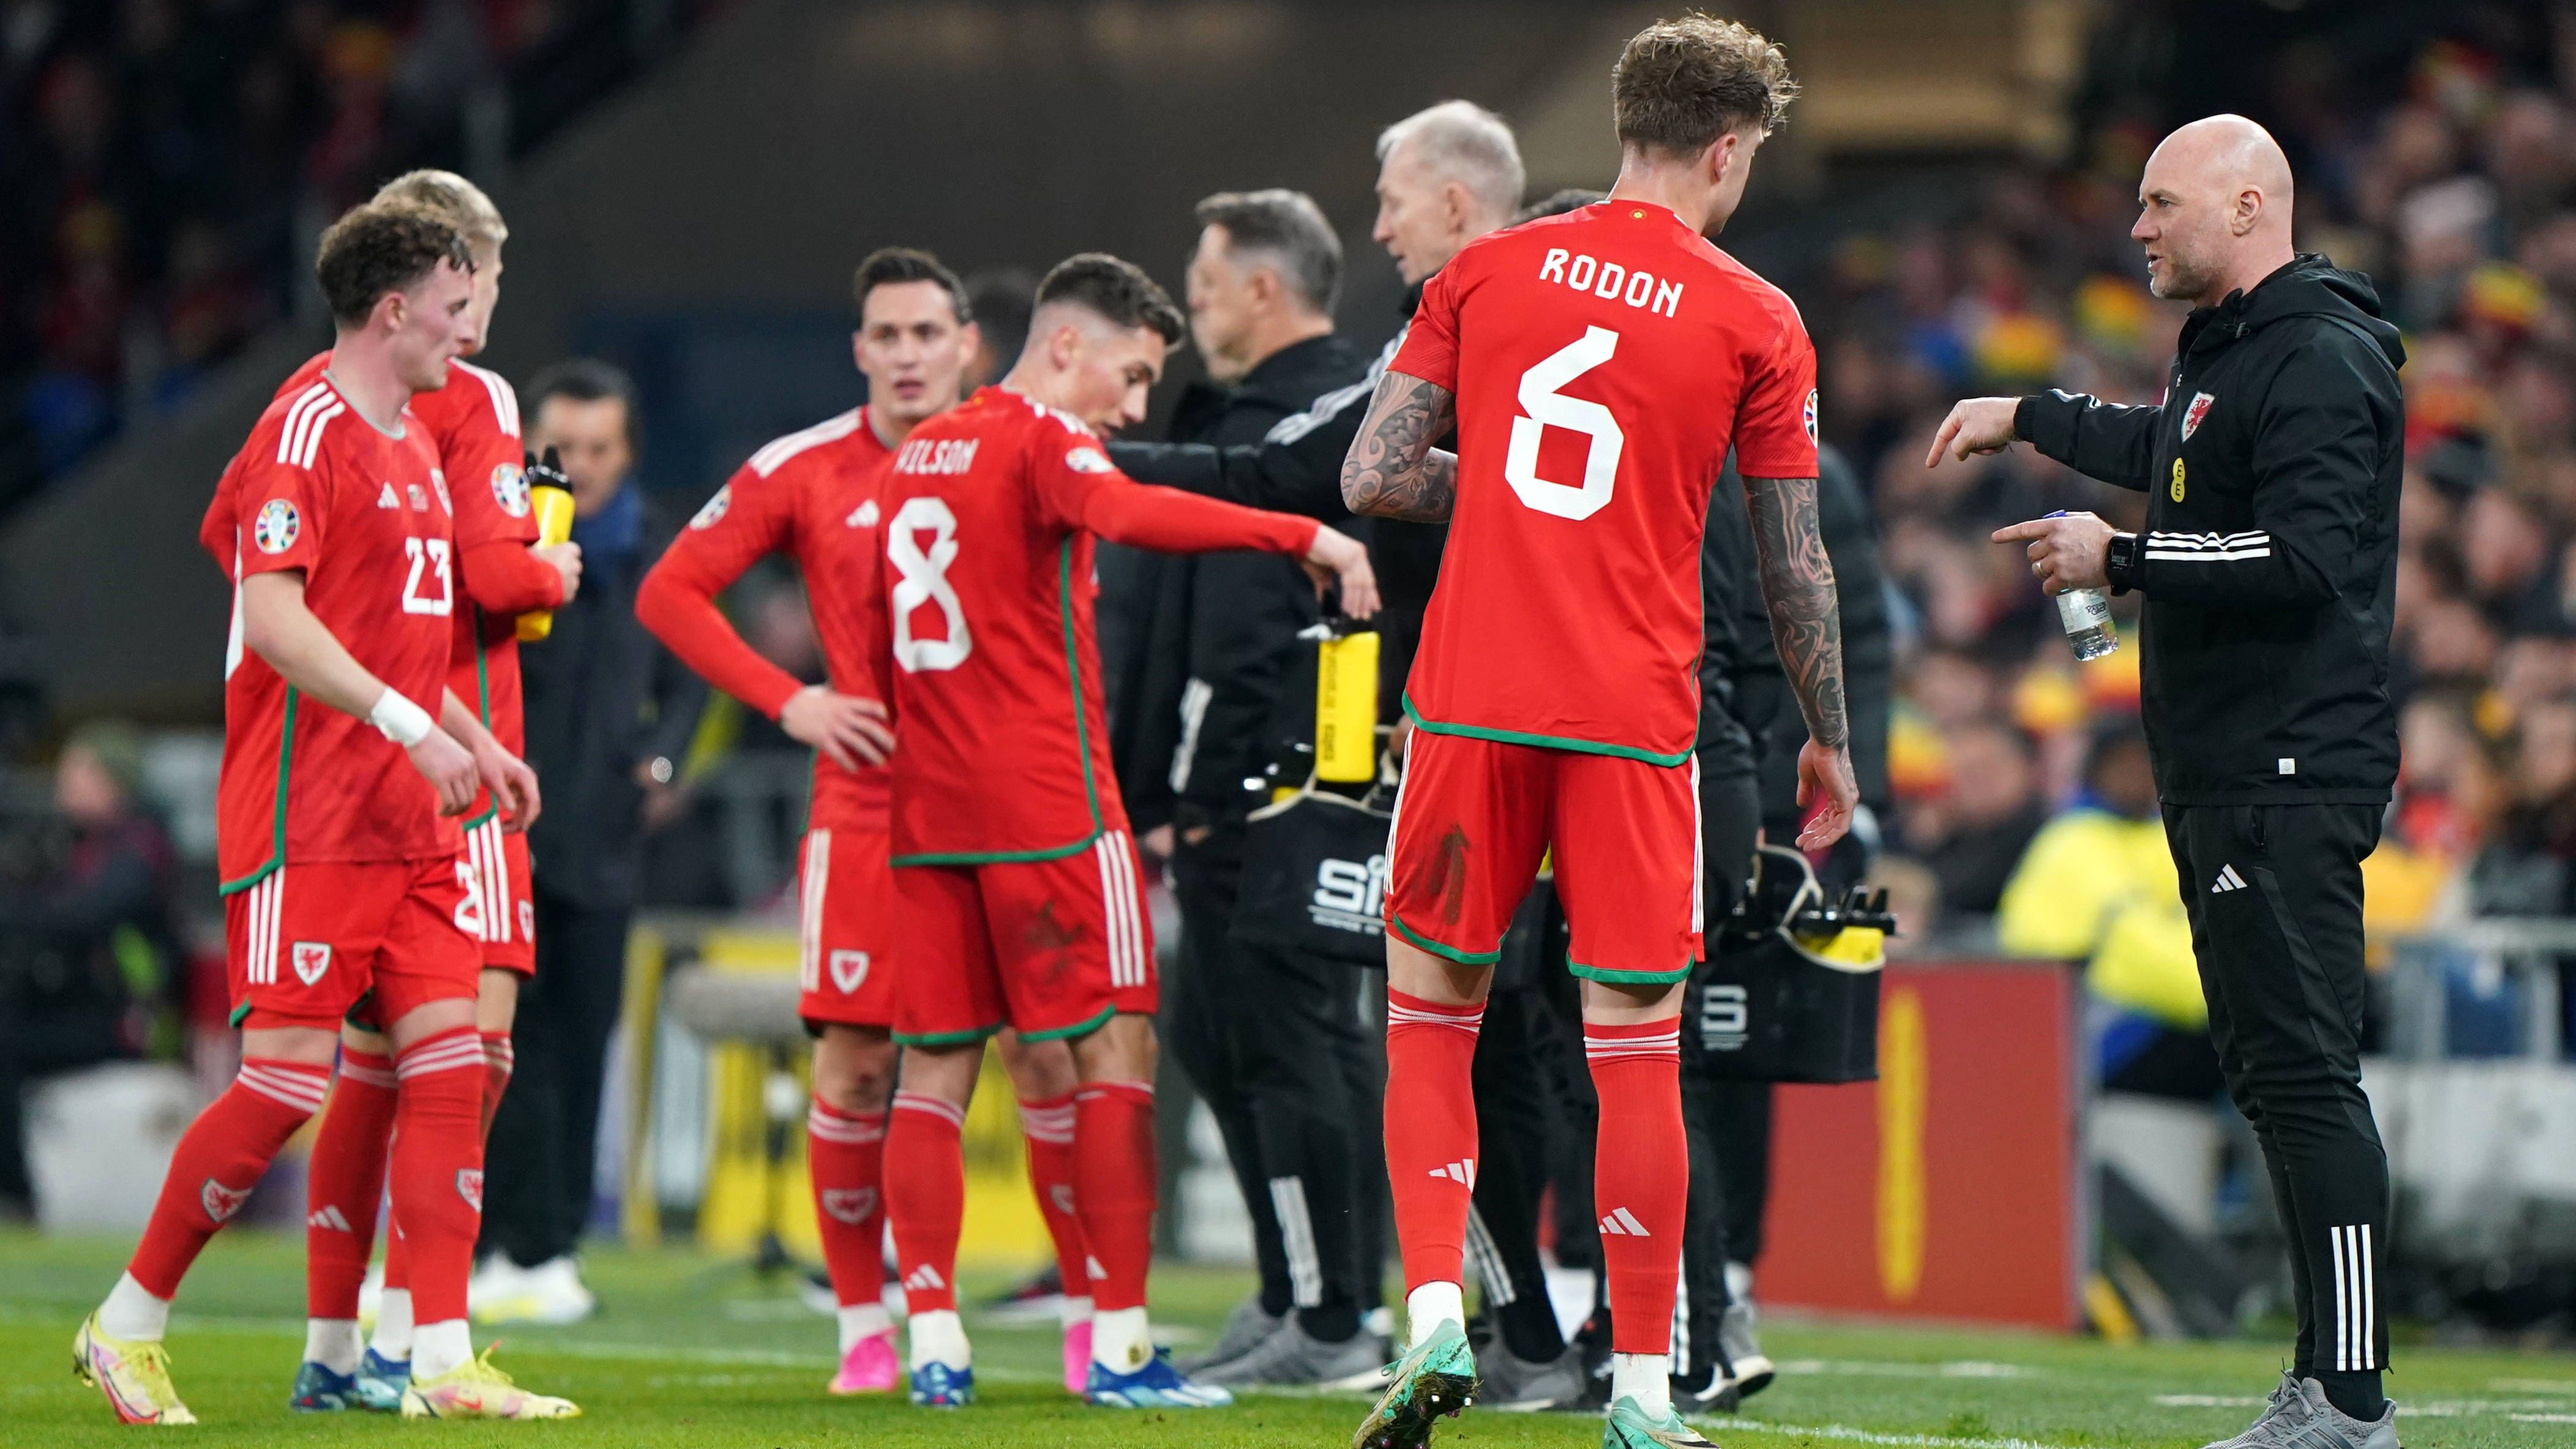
{"type": "Point", "coordinates": [1463, 958]}
{"type": "Point", "coordinates": [240, 1014]}
{"type": "Point", "coordinates": [277, 836]}
{"type": "Point", "coordinates": [1082, 744]}
{"type": "Point", "coordinates": [1544, 742]}
{"type": "Point", "coordinates": [1626, 978]}
{"type": "Point", "coordinates": [1079, 1028]}
{"type": "Point", "coordinates": [482, 705]}
{"type": "Point", "coordinates": [995, 857]}
{"type": "Point", "coordinates": [945, 1038]}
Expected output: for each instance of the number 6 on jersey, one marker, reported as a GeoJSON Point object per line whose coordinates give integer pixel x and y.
{"type": "Point", "coordinates": [1543, 407]}
{"type": "Point", "coordinates": [925, 581]}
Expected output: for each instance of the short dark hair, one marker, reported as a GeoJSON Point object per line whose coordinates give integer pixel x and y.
{"type": "Point", "coordinates": [888, 266]}
{"type": "Point", "coordinates": [1117, 291]}
{"type": "Point", "coordinates": [382, 247]}
{"type": "Point", "coordinates": [1002, 301]}
{"type": "Point", "coordinates": [587, 379]}
{"type": "Point", "coordinates": [1289, 229]}
{"type": "Point", "coordinates": [1683, 83]}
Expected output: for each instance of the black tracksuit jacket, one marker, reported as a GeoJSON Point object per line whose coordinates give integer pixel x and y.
{"type": "Point", "coordinates": [2269, 564]}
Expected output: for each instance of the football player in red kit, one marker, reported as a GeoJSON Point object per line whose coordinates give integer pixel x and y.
{"type": "Point", "coordinates": [1598, 366]}
{"type": "Point", "coordinates": [473, 425]}
{"type": "Point", "coordinates": [339, 855]}
{"type": "Point", "coordinates": [1018, 898]}
{"type": "Point", "coordinates": [812, 495]}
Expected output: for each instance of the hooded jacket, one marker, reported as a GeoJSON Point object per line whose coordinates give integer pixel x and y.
{"type": "Point", "coordinates": [2269, 561]}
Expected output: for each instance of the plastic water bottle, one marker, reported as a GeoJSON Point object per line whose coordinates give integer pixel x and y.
{"type": "Point", "coordinates": [2085, 615]}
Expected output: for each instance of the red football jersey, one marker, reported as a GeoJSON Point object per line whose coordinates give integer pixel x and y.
{"type": "Point", "coordinates": [473, 424]}
{"type": "Point", "coordinates": [366, 517]}
{"type": "Point", "coordinates": [1603, 362]}
{"type": "Point", "coordinates": [1002, 749]}
{"type": "Point", "coordinates": [811, 495]}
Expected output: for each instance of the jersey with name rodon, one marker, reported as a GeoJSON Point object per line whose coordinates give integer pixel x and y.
{"type": "Point", "coordinates": [365, 516]}
{"type": "Point", "coordinates": [1001, 751]}
{"type": "Point", "coordinates": [1604, 362]}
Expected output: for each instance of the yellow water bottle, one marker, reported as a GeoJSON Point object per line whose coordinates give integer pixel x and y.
{"type": "Point", "coordinates": [553, 506]}
{"type": "Point", "coordinates": [1346, 707]}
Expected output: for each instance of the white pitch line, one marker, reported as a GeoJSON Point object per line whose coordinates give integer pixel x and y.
{"type": "Point", "coordinates": [1872, 1436]}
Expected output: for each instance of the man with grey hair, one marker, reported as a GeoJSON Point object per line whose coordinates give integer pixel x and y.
{"type": "Point", "coordinates": [1267, 1037]}
{"type": "Point", "coordinates": [1447, 175]}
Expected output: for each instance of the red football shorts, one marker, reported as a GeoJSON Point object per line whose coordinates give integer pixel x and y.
{"type": "Point", "coordinates": [1051, 948]}
{"type": "Point", "coordinates": [497, 862]}
{"type": "Point", "coordinates": [308, 941]}
{"type": "Point", "coordinates": [1474, 818]}
{"type": "Point", "coordinates": [845, 900]}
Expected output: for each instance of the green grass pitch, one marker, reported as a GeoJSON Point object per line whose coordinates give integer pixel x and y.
{"type": "Point", "coordinates": [691, 1351]}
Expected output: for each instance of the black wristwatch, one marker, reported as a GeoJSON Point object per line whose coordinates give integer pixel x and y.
{"type": "Point", "coordinates": [2120, 563]}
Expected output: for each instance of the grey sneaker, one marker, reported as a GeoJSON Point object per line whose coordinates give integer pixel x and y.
{"type": "Point", "coordinates": [1294, 1356]}
{"type": "Point", "coordinates": [1518, 1385]}
{"type": "Point", "coordinates": [2282, 1415]}
{"type": "Point", "coordinates": [1246, 1328]}
{"type": "Point", "coordinates": [2331, 1428]}
{"type": "Point", "coordinates": [1753, 1368]}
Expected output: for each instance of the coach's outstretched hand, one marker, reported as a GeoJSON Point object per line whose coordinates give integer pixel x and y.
{"type": "Point", "coordinates": [449, 768]}
{"type": "Point", "coordinates": [1825, 775]}
{"type": "Point", "coordinates": [1338, 556]}
{"type": "Point", "coordinates": [850, 730]}
{"type": "Point", "coordinates": [1975, 425]}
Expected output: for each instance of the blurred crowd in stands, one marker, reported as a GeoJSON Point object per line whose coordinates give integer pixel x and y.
{"type": "Point", "coordinates": [165, 165]}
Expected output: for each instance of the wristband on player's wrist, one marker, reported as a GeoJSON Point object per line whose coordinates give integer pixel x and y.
{"type": "Point", "coordinates": [402, 721]}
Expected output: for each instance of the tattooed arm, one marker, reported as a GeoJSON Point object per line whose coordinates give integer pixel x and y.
{"type": "Point", "coordinates": [1392, 471]}
{"type": "Point", "coordinates": [1806, 624]}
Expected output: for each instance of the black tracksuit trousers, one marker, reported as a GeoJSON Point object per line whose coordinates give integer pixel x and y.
{"type": "Point", "coordinates": [2274, 895]}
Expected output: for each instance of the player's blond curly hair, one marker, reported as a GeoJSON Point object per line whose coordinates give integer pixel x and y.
{"type": "Point", "coordinates": [1683, 83]}
{"type": "Point", "coordinates": [454, 199]}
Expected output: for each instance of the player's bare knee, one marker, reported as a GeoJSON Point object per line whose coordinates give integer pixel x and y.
{"type": "Point", "coordinates": [1122, 1050]}
{"type": "Point", "coordinates": [1627, 1003]}
{"type": "Point", "coordinates": [1041, 1071]}
{"type": "Point", "coordinates": [945, 1072]}
{"type": "Point", "coordinates": [429, 1019]}
{"type": "Point", "coordinates": [496, 1000]}
{"type": "Point", "coordinates": [854, 1069]}
{"type": "Point", "coordinates": [311, 1046]}
{"type": "Point", "coordinates": [1417, 972]}
{"type": "Point", "coordinates": [359, 1039]}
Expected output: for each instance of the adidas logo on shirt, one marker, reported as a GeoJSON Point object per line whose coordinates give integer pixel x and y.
{"type": "Point", "coordinates": [387, 499]}
{"type": "Point", "coordinates": [329, 1216]}
{"type": "Point", "coordinates": [1623, 1224]}
{"type": "Point", "coordinates": [1463, 1170]}
{"type": "Point", "coordinates": [923, 1279]}
{"type": "Point", "coordinates": [2228, 880]}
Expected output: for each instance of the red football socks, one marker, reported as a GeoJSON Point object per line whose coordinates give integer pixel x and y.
{"type": "Point", "coordinates": [926, 1201]}
{"type": "Point", "coordinates": [219, 1160]}
{"type": "Point", "coordinates": [345, 1182]}
{"type": "Point", "coordinates": [845, 1159]}
{"type": "Point", "coordinates": [498, 1061]}
{"type": "Point", "coordinates": [1431, 1131]}
{"type": "Point", "coordinates": [1640, 1176]}
{"type": "Point", "coordinates": [438, 1168]}
{"type": "Point", "coordinates": [1047, 1129]}
{"type": "Point", "coordinates": [1113, 1190]}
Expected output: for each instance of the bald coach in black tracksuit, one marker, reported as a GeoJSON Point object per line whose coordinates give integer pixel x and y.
{"type": "Point", "coordinates": [2269, 565]}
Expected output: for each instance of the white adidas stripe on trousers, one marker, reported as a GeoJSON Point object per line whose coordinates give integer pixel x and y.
{"type": "Point", "coordinates": [490, 862]}
{"type": "Point", "coordinates": [1297, 1241]}
{"type": "Point", "coordinates": [2356, 1298]}
{"type": "Point", "coordinates": [259, 929]}
{"type": "Point", "coordinates": [1129, 962]}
